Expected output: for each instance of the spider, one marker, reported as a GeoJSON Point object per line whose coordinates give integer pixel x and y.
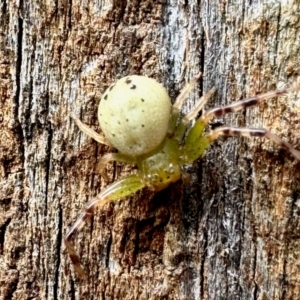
{"type": "Point", "coordinates": [137, 118]}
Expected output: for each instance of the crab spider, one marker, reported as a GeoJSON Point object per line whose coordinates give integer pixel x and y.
{"type": "Point", "coordinates": [137, 119]}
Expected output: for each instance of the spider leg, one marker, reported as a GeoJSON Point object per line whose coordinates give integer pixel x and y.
{"type": "Point", "coordinates": [252, 132]}
{"type": "Point", "coordinates": [242, 104]}
{"type": "Point", "coordinates": [116, 191]}
{"type": "Point", "coordinates": [197, 108]}
{"type": "Point", "coordinates": [176, 107]}
{"type": "Point", "coordinates": [195, 143]}
{"type": "Point", "coordinates": [184, 93]}
{"type": "Point", "coordinates": [90, 132]}
{"type": "Point", "coordinates": [184, 122]}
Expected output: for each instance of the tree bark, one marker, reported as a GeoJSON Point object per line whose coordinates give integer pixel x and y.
{"type": "Point", "coordinates": [230, 232]}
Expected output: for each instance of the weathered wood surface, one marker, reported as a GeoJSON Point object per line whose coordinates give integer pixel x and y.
{"type": "Point", "coordinates": [232, 232]}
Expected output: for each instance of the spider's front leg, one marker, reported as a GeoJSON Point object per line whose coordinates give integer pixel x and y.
{"type": "Point", "coordinates": [252, 132]}
{"type": "Point", "coordinates": [116, 191]}
{"type": "Point", "coordinates": [245, 103]}
{"type": "Point", "coordinates": [197, 142]}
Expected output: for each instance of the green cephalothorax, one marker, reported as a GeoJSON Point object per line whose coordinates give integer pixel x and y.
{"type": "Point", "coordinates": [161, 167]}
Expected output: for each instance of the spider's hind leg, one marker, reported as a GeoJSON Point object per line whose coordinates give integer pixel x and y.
{"type": "Point", "coordinates": [184, 122]}
{"type": "Point", "coordinates": [176, 107]}
{"type": "Point", "coordinates": [90, 132]}
{"type": "Point", "coordinates": [252, 132]}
